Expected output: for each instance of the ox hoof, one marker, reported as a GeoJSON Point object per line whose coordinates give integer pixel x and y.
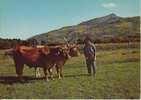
{"type": "Point", "coordinates": [37, 76]}
{"type": "Point", "coordinates": [60, 78]}
{"type": "Point", "coordinates": [52, 79]}
{"type": "Point", "coordinates": [21, 80]}
{"type": "Point", "coordinates": [47, 80]}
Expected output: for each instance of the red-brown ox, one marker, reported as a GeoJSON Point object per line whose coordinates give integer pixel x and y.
{"type": "Point", "coordinates": [32, 57]}
{"type": "Point", "coordinates": [44, 57]}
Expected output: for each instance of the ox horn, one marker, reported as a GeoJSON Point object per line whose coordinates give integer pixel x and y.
{"type": "Point", "coordinates": [66, 42]}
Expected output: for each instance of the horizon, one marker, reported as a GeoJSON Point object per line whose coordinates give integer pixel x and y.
{"type": "Point", "coordinates": [26, 19]}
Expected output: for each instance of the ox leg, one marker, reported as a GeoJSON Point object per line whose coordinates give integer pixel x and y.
{"type": "Point", "coordinates": [57, 69]}
{"type": "Point", "coordinates": [46, 74]}
{"type": "Point", "coordinates": [19, 70]}
{"type": "Point", "coordinates": [58, 72]}
{"type": "Point", "coordinates": [61, 72]}
{"type": "Point", "coordinates": [51, 73]}
{"type": "Point", "coordinates": [37, 72]}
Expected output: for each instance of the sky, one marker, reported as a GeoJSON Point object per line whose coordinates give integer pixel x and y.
{"type": "Point", "coordinates": [25, 18]}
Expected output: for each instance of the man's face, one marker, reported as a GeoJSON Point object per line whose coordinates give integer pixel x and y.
{"type": "Point", "coordinates": [88, 42]}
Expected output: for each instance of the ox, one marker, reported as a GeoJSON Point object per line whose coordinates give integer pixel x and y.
{"type": "Point", "coordinates": [59, 57]}
{"type": "Point", "coordinates": [72, 50]}
{"type": "Point", "coordinates": [32, 57]}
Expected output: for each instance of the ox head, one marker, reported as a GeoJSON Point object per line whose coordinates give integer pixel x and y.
{"type": "Point", "coordinates": [73, 49]}
{"type": "Point", "coordinates": [10, 52]}
{"type": "Point", "coordinates": [13, 52]}
{"type": "Point", "coordinates": [64, 51]}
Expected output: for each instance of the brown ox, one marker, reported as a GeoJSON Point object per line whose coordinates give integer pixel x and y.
{"type": "Point", "coordinates": [59, 57]}
{"type": "Point", "coordinates": [72, 50]}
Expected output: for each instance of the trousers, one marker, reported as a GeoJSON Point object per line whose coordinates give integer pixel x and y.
{"type": "Point", "coordinates": [91, 66]}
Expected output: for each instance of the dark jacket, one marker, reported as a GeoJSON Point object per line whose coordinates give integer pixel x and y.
{"type": "Point", "coordinates": [89, 51]}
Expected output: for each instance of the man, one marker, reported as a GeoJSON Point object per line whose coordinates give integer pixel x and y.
{"type": "Point", "coordinates": [89, 52]}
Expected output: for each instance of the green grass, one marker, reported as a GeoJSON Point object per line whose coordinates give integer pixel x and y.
{"type": "Point", "coordinates": [117, 76]}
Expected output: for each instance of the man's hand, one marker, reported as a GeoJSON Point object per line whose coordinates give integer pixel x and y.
{"type": "Point", "coordinates": [87, 57]}
{"type": "Point", "coordinates": [95, 58]}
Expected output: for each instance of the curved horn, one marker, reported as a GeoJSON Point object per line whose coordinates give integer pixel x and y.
{"type": "Point", "coordinates": [66, 41]}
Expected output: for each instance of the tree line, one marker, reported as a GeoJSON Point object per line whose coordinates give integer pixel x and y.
{"type": "Point", "coordinates": [10, 43]}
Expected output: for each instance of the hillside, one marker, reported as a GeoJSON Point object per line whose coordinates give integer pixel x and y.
{"type": "Point", "coordinates": [107, 28]}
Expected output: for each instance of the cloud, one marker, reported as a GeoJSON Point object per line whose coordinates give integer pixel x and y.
{"type": "Point", "coordinates": [109, 5]}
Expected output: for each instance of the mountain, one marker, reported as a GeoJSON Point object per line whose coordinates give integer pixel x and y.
{"type": "Point", "coordinates": [110, 27]}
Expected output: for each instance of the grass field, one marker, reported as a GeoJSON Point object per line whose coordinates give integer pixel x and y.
{"type": "Point", "coordinates": [117, 76]}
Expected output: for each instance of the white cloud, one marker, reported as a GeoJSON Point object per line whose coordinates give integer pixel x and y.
{"type": "Point", "coordinates": [109, 5]}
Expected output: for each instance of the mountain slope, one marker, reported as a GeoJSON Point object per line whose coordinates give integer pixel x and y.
{"type": "Point", "coordinates": [110, 26]}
